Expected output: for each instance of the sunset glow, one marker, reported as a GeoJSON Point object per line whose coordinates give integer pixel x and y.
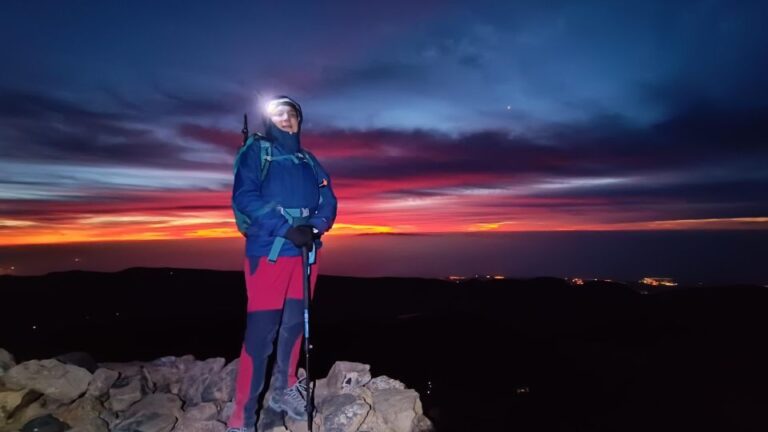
{"type": "Point", "coordinates": [460, 120]}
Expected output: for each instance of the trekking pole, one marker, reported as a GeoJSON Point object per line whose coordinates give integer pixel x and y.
{"type": "Point", "coordinates": [307, 273]}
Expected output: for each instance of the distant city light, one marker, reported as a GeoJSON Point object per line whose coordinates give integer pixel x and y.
{"type": "Point", "coordinates": [656, 281]}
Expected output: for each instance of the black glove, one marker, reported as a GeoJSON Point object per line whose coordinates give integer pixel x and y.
{"type": "Point", "coordinates": [300, 236]}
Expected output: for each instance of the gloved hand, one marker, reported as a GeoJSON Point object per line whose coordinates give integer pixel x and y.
{"type": "Point", "coordinates": [300, 236]}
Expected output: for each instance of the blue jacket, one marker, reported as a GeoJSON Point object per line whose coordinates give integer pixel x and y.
{"type": "Point", "coordinates": [287, 185]}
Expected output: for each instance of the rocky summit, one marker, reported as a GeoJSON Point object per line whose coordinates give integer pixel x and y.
{"type": "Point", "coordinates": [182, 394]}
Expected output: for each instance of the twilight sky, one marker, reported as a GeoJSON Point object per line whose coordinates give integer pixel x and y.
{"type": "Point", "coordinates": [119, 120]}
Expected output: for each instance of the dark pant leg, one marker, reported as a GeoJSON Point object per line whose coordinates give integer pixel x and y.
{"type": "Point", "coordinates": [292, 327]}
{"type": "Point", "coordinates": [266, 284]}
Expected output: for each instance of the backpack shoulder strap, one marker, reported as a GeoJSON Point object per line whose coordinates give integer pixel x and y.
{"type": "Point", "coordinates": [265, 152]}
{"type": "Point", "coordinates": [265, 156]}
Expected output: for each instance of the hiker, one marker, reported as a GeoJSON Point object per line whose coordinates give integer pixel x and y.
{"type": "Point", "coordinates": [283, 202]}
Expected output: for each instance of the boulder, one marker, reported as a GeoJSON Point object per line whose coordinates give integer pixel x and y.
{"type": "Point", "coordinates": [101, 381]}
{"type": "Point", "coordinates": [196, 378]}
{"type": "Point", "coordinates": [200, 426]}
{"type": "Point", "coordinates": [124, 392]}
{"type": "Point", "coordinates": [80, 412]}
{"type": "Point", "coordinates": [6, 361]}
{"type": "Point", "coordinates": [398, 408]}
{"type": "Point", "coordinates": [201, 412]}
{"type": "Point", "coordinates": [60, 381]}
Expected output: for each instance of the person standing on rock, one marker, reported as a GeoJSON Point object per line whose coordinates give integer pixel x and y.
{"type": "Point", "coordinates": [283, 202]}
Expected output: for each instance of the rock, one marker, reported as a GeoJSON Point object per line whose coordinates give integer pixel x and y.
{"type": "Point", "coordinates": [146, 422]}
{"type": "Point", "coordinates": [196, 378]}
{"type": "Point", "coordinates": [225, 411]}
{"type": "Point", "coordinates": [221, 386]}
{"type": "Point", "coordinates": [109, 417]}
{"type": "Point", "coordinates": [398, 408]}
{"type": "Point", "coordinates": [280, 429]}
{"type": "Point", "coordinates": [81, 411]}
{"type": "Point", "coordinates": [91, 425]}
{"type": "Point", "coordinates": [384, 382]}
{"type": "Point", "coordinates": [50, 377]}
{"type": "Point", "coordinates": [6, 361]}
{"type": "Point", "coordinates": [343, 413]}
{"type": "Point", "coordinates": [166, 373]}
{"type": "Point", "coordinates": [101, 381]}
{"type": "Point", "coordinates": [78, 358]}
{"type": "Point", "coordinates": [124, 392]}
{"type": "Point", "coordinates": [13, 401]}
{"type": "Point", "coordinates": [374, 423]}
{"type": "Point", "coordinates": [345, 376]}
{"type": "Point", "coordinates": [147, 381]}
{"type": "Point", "coordinates": [46, 423]}
{"type": "Point", "coordinates": [202, 412]}
{"type": "Point", "coordinates": [126, 370]}
{"type": "Point", "coordinates": [200, 426]}
{"type": "Point", "coordinates": [161, 403]}
{"type": "Point", "coordinates": [297, 426]}
{"type": "Point", "coordinates": [39, 407]}
{"type": "Point", "coordinates": [422, 424]}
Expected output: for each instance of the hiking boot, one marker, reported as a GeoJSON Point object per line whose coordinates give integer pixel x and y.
{"type": "Point", "coordinates": [292, 401]}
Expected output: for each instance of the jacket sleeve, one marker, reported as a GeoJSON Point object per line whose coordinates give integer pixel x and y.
{"type": "Point", "coordinates": [247, 198]}
{"type": "Point", "coordinates": [326, 211]}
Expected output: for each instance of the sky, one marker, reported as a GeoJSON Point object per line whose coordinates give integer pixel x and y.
{"type": "Point", "coordinates": [119, 121]}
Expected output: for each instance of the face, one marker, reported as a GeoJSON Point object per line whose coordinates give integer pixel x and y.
{"type": "Point", "coordinates": [286, 118]}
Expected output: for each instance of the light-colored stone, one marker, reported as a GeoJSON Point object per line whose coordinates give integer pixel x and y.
{"type": "Point", "coordinates": [384, 382]}
{"type": "Point", "coordinates": [37, 409]}
{"type": "Point", "coordinates": [280, 429]}
{"type": "Point", "coordinates": [345, 376]}
{"type": "Point", "coordinates": [221, 386]}
{"type": "Point", "coordinates": [110, 417]}
{"type": "Point", "coordinates": [50, 377]}
{"type": "Point", "coordinates": [125, 370]}
{"type": "Point", "coordinates": [6, 361]}
{"type": "Point", "coordinates": [146, 422]}
{"type": "Point", "coordinates": [201, 412]}
{"type": "Point", "coordinates": [422, 424]}
{"type": "Point", "coordinates": [12, 401]}
{"type": "Point", "coordinates": [81, 411]}
{"type": "Point", "coordinates": [166, 373]}
{"type": "Point", "coordinates": [374, 423]}
{"type": "Point", "coordinates": [225, 411]}
{"type": "Point", "coordinates": [343, 413]}
{"type": "Point", "coordinates": [397, 407]}
{"type": "Point", "coordinates": [91, 425]}
{"type": "Point", "coordinates": [124, 392]}
{"type": "Point", "coordinates": [199, 426]}
{"type": "Point", "coordinates": [196, 378]}
{"type": "Point", "coordinates": [101, 381]}
{"type": "Point", "coordinates": [163, 403]}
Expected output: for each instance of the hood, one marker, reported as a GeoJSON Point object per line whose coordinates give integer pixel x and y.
{"type": "Point", "coordinates": [290, 142]}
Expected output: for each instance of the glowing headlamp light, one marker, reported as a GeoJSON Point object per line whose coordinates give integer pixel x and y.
{"type": "Point", "coordinates": [273, 105]}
